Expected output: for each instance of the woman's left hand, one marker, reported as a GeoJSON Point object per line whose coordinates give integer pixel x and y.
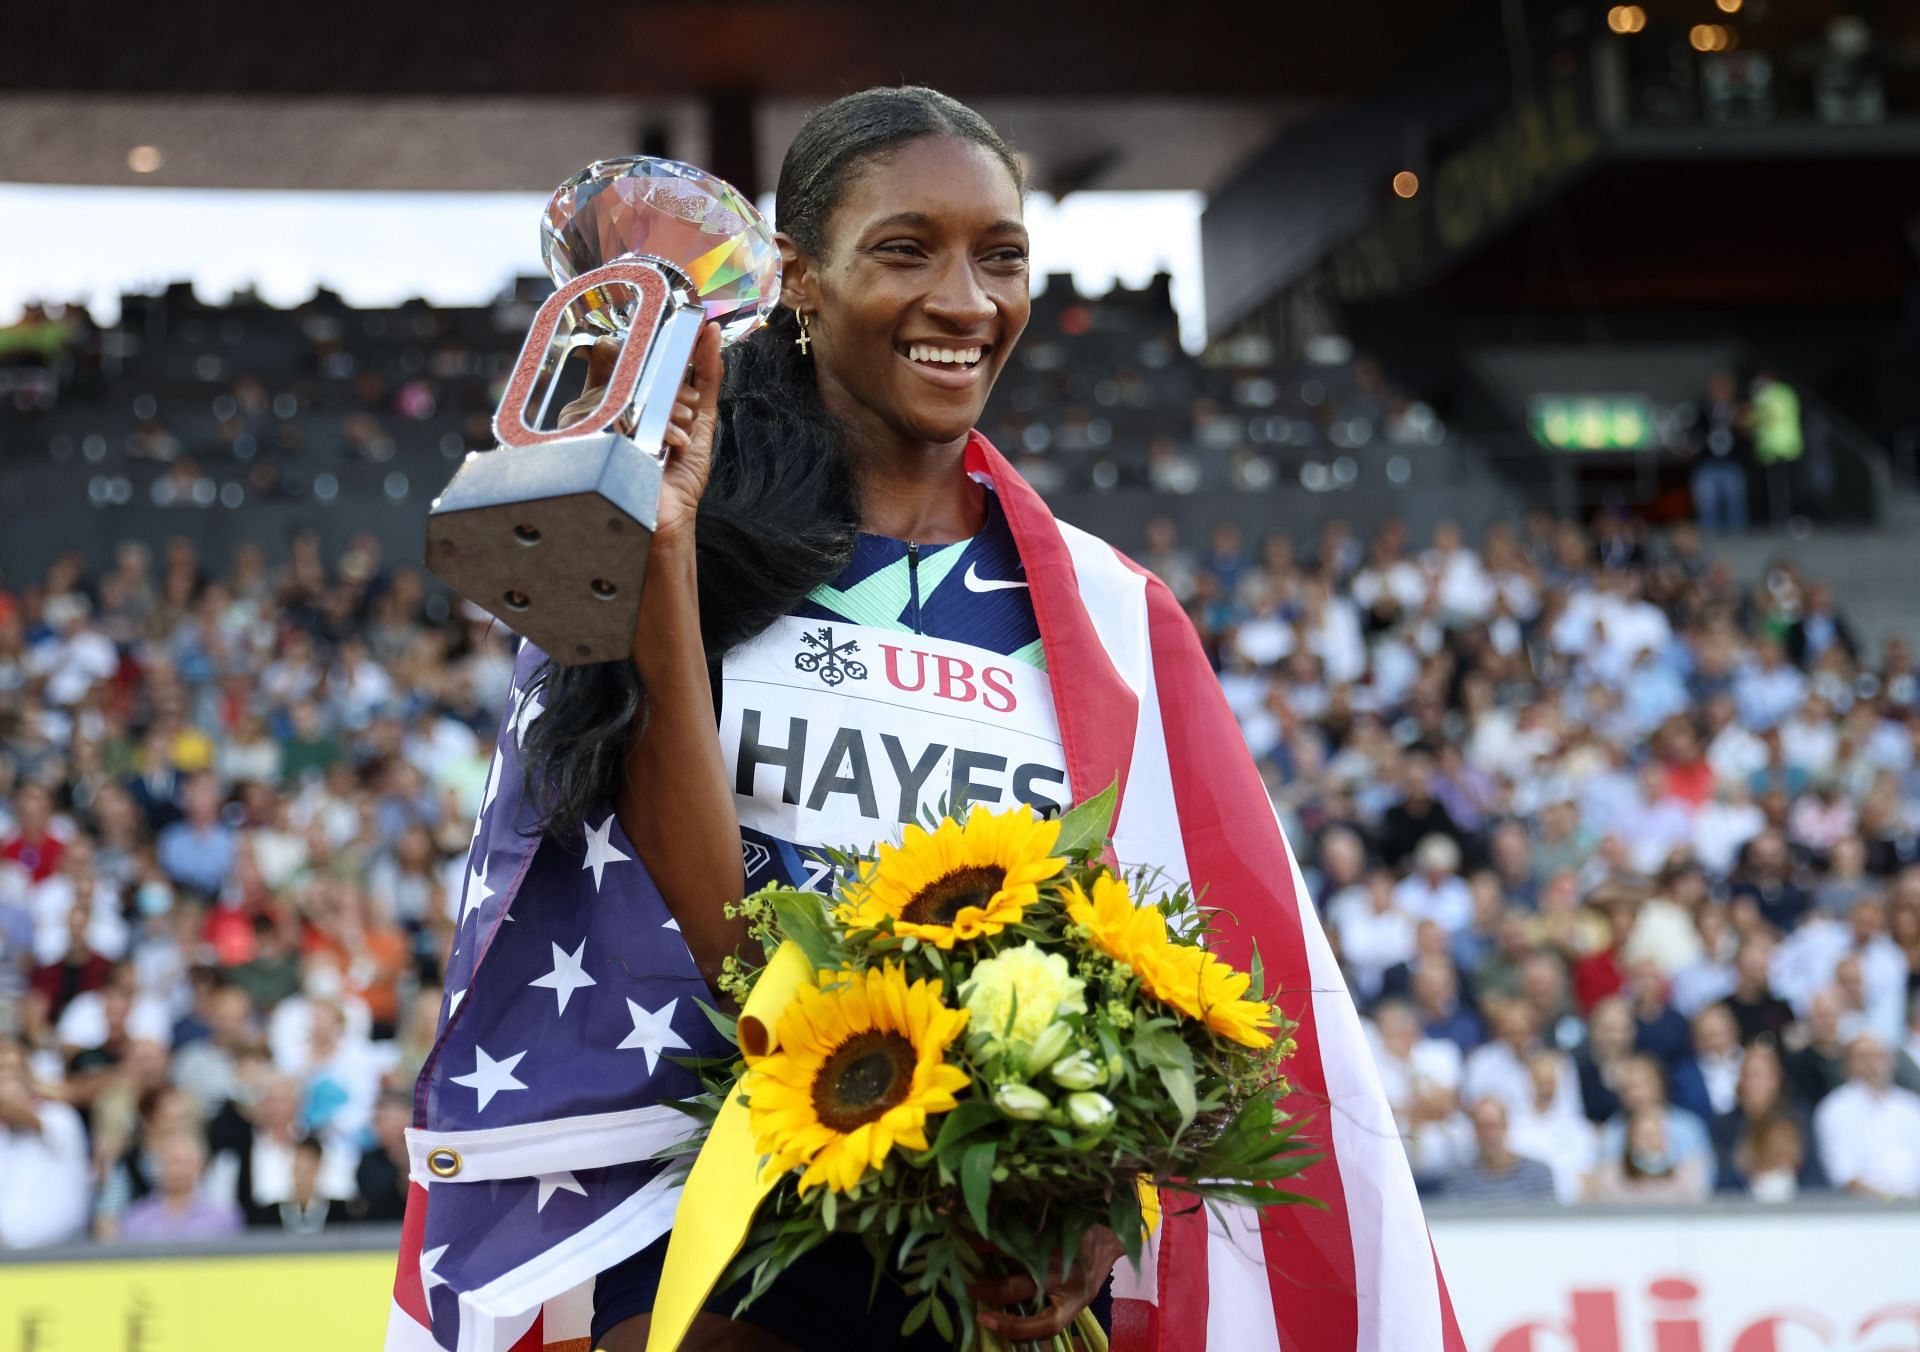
{"type": "Point", "coordinates": [1067, 1294]}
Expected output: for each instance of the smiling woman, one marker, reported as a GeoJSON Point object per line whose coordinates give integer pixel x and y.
{"type": "Point", "coordinates": [819, 532]}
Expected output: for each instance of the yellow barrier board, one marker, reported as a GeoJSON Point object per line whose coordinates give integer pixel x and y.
{"type": "Point", "coordinates": [291, 1302]}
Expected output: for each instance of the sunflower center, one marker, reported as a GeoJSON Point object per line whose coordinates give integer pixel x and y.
{"type": "Point", "coordinates": [862, 1078]}
{"type": "Point", "coordinates": [946, 896]}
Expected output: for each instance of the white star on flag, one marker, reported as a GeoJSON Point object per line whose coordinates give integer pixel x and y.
{"type": "Point", "coordinates": [566, 976]}
{"type": "Point", "coordinates": [670, 923]}
{"type": "Point", "coordinates": [477, 893]}
{"type": "Point", "coordinates": [552, 1183]}
{"type": "Point", "coordinates": [493, 784]}
{"type": "Point", "coordinates": [490, 1077]}
{"type": "Point", "coordinates": [453, 1001]}
{"type": "Point", "coordinates": [530, 709]}
{"type": "Point", "coordinates": [601, 850]}
{"type": "Point", "coordinates": [653, 1032]}
{"type": "Point", "coordinates": [428, 1277]}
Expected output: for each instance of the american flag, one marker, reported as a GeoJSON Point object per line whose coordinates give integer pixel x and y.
{"type": "Point", "coordinates": [550, 1069]}
{"type": "Point", "coordinates": [566, 998]}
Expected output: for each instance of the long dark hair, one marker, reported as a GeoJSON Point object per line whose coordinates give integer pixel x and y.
{"type": "Point", "coordinates": [780, 512]}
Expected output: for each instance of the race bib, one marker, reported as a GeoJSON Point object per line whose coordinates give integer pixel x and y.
{"type": "Point", "coordinates": [838, 734]}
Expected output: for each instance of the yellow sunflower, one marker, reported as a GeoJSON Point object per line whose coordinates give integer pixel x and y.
{"type": "Point", "coordinates": [1187, 977]}
{"type": "Point", "coordinates": [858, 1063]}
{"type": "Point", "coordinates": [958, 882]}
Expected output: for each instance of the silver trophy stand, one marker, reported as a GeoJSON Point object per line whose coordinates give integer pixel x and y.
{"type": "Point", "coordinates": [550, 532]}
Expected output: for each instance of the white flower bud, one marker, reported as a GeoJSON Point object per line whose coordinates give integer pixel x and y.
{"type": "Point", "coordinates": [1021, 1101]}
{"type": "Point", "coordinates": [1089, 1112]}
{"type": "Point", "coordinates": [1079, 1071]}
{"type": "Point", "coordinates": [1047, 1047]}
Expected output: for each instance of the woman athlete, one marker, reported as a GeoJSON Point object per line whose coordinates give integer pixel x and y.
{"type": "Point", "coordinates": [904, 289]}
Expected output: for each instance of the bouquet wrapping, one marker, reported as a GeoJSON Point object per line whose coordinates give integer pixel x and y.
{"type": "Point", "coordinates": [986, 1043]}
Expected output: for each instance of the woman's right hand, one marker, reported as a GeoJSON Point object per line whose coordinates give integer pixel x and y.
{"type": "Point", "coordinates": [690, 430]}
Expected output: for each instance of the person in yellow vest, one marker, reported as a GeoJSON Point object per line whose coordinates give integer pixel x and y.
{"type": "Point", "coordinates": [1778, 441]}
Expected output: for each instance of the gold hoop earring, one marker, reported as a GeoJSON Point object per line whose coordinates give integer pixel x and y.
{"type": "Point", "coordinates": [805, 339]}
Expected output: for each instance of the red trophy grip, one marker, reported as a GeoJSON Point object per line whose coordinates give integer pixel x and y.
{"type": "Point", "coordinates": [539, 361]}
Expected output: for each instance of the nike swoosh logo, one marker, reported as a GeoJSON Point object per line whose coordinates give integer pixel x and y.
{"type": "Point", "coordinates": [976, 583]}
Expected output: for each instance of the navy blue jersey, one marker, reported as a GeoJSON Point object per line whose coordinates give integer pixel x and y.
{"type": "Point", "coordinates": [911, 684]}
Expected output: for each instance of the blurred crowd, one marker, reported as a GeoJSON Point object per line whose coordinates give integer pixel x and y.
{"type": "Point", "coordinates": [235, 809]}
{"type": "Point", "coordinates": [1621, 855]}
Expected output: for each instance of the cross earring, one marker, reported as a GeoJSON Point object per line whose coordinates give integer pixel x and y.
{"type": "Point", "coordinates": [805, 340]}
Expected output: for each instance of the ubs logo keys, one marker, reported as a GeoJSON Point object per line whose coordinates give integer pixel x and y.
{"type": "Point", "coordinates": [832, 662]}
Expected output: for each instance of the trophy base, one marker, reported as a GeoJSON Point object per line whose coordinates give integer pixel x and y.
{"type": "Point", "coordinates": [553, 540]}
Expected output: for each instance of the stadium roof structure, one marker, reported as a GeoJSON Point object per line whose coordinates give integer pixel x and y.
{"type": "Point", "coordinates": [763, 48]}
{"type": "Point", "coordinates": [488, 95]}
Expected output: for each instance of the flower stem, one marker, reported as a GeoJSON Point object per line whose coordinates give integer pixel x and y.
{"type": "Point", "coordinates": [1092, 1337]}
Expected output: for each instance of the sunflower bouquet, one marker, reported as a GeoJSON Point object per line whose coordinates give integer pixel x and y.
{"type": "Point", "coordinates": [984, 1044]}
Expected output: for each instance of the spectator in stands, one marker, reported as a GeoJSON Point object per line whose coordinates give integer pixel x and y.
{"type": "Point", "coordinates": [1757, 1010]}
{"type": "Point", "coordinates": [1643, 1087]}
{"type": "Point", "coordinates": [1500, 1068]}
{"type": "Point", "coordinates": [1722, 448]}
{"type": "Point", "coordinates": [1434, 890]}
{"type": "Point", "coordinates": [1816, 1058]}
{"type": "Point", "coordinates": [381, 1178]}
{"type": "Point", "coordinates": [1659, 1029]}
{"type": "Point", "coordinates": [1375, 934]}
{"type": "Point", "coordinates": [177, 1210]}
{"type": "Point", "coordinates": [1846, 880]}
{"type": "Point", "coordinates": [307, 1210]}
{"type": "Point", "coordinates": [1437, 1001]}
{"type": "Point", "coordinates": [1645, 1165]}
{"type": "Point", "coordinates": [197, 852]}
{"type": "Point", "coordinates": [208, 1068]}
{"type": "Point", "coordinates": [1706, 1082]}
{"type": "Point", "coordinates": [1418, 815]}
{"type": "Point", "coordinates": [76, 971]}
{"type": "Point", "coordinates": [45, 1141]}
{"type": "Point", "coordinates": [1907, 1060]}
{"type": "Point", "coordinates": [1610, 1031]}
{"type": "Point", "coordinates": [1778, 442]}
{"type": "Point", "coordinates": [33, 844]}
{"type": "Point", "coordinates": [1550, 1127]}
{"type": "Point", "coordinates": [1771, 1159]}
{"type": "Point", "coordinates": [1768, 881]}
{"type": "Point", "coordinates": [1869, 1128]}
{"type": "Point", "coordinates": [1497, 1173]}
{"type": "Point", "coordinates": [1761, 1094]}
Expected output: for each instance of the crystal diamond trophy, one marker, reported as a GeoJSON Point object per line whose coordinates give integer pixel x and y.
{"type": "Point", "coordinates": [550, 531]}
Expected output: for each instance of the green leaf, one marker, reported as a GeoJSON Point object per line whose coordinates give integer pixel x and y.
{"type": "Point", "coordinates": [916, 1316]}
{"type": "Point", "coordinates": [726, 1024]}
{"type": "Point", "coordinates": [829, 1208]}
{"type": "Point", "coordinates": [976, 1182]}
{"type": "Point", "coordinates": [803, 919]}
{"type": "Point", "coordinates": [1085, 826]}
{"type": "Point", "coordinates": [1124, 1219]}
{"type": "Point", "coordinates": [942, 1321]}
{"type": "Point", "coordinates": [1164, 1050]}
{"type": "Point", "coordinates": [962, 1122]}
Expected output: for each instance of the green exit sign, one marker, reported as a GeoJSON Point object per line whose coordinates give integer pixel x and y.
{"type": "Point", "coordinates": [1591, 422]}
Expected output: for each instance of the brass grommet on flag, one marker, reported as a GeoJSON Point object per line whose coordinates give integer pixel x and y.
{"type": "Point", "coordinates": [443, 1163]}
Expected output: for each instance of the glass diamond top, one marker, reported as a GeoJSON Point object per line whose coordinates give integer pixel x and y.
{"type": "Point", "coordinates": [639, 205]}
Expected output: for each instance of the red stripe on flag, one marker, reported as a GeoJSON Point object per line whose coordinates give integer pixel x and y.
{"type": "Point", "coordinates": [408, 1293]}
{"type": "Point", "coordinates": [533, 1340]}
{"type": "Point", "coordinates": [1451, 1341]}
{"type": "Point", "coordinates": [1182, 1321]}
{"type": "Point", "coordinates": [1235, 854]}
{"type": "Point", "coordinates": [1135, 1326]}
{"type": "Point", "coordinates": [1096, 708]}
